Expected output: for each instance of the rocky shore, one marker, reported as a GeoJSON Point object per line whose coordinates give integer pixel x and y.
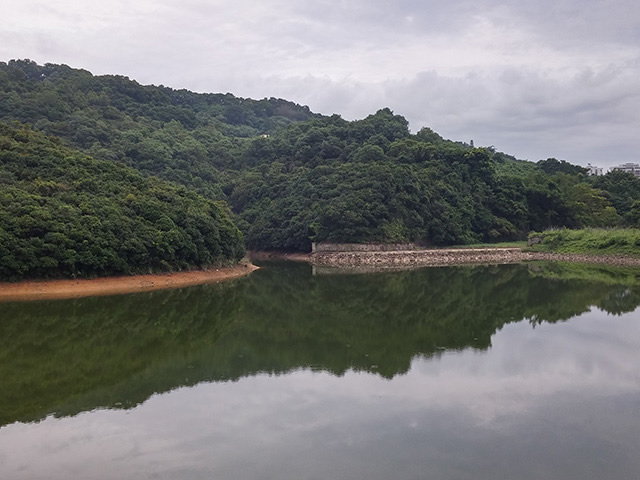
{"type": "Point", "coordinates": [457, 256]}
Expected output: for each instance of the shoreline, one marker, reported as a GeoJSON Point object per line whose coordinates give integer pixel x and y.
{"type": "Point", "coordinates": [400, 259]}
{"type": "Point", "coordinates": [29, 290]}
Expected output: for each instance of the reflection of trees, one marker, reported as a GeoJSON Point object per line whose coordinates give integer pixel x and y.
{"type": "Point", "coordinates": [620, 300]}
{"type": "Point", "coordinates": [620, 285]}
{"type": "Point", "coordinates": [388, 318]}
{"type": "Point", "coordinates": [52, 352]}
{"type": "Point", "coordinates": [70, 356]}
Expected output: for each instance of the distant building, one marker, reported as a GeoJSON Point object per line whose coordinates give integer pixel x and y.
{"type": "Point", "coordinates": [596, 171]}
{"type": "Point", "coordinates": [629, 167]}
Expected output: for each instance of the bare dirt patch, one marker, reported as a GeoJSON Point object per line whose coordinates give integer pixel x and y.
{"type": "Point", "coordinates": [58, 289]}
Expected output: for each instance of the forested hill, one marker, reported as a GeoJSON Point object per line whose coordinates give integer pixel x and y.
{"type": "Point", "coordinates": [292, 177]}
{"type": "Point", "coordinates": [176, 134]}
{"type": "Point", "coordinates": [64, 214]}
{"type": "Point", "coordinates": [372, 180]}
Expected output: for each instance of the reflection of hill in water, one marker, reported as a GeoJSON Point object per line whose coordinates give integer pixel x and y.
{"type": "Point", "coordinates": [64, 357]}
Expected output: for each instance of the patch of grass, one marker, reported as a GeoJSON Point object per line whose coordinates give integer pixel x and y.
{"type": "Point", "coordinates": [594, 241]}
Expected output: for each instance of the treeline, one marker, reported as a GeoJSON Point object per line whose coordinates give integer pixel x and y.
{"type": "Point", "coordinates": [292, 177]}
{"type": "Point", "coordinates": [373, 181]}
{"type": "Point", "coordinates": [177, 135]}
{"type": "Point", "coordinates": [64, 214]}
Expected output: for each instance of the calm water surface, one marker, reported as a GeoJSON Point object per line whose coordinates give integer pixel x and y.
{"type": "Point", "coordinates": [514, 371]}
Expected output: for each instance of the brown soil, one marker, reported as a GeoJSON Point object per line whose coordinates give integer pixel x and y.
{"type": "Point", "coordinates": [58, 289]}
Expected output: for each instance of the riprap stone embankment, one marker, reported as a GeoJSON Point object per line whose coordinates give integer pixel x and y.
{"type": "Point", "coordinates": [455, 256]}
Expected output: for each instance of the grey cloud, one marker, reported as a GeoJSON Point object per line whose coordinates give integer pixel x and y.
{"type": "Point", "coordinates": [535, 79]}
{"type": "Point", "coordinates": [590, 117]}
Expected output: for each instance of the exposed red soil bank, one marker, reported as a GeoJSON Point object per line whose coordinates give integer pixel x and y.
{"type": "Point", "coordinates": [58, 289]}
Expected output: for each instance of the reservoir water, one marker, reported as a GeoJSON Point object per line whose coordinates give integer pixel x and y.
{"type": "Point", "coordinates": [515, 371]}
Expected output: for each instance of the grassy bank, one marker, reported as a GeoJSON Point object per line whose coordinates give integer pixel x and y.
{"type": "Point", "coordinates": [588, 241]}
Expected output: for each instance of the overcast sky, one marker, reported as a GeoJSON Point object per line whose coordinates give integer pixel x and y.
{"type": "Point", "coordinates": [535, 79]}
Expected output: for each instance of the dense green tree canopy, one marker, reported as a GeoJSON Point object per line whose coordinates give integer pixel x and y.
{"type": "Point", "coordinates": [292, 177]}
{"type": "Point", "coordinates": [63, 213]}
{"type": "Point", "coordinates": [373, 181]}
{"type": "Point", "coordinates": [175, 134]}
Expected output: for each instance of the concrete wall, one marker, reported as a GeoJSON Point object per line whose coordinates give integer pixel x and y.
{"type": "Point", "coordinates": [360, 247]}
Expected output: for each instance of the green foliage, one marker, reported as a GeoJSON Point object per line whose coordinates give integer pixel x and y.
{"type": "Point", "coordinates": [177, 135]}
{"type": "Point", "coordinates": [632, 218]}
{"type": "Point", "coordinates": [590, 241]}
{"type": "Point", "coordinates": [622, 189]}
{"type": "Point", "coordinates": [371, 181]}
{"type": "Point", "coordinates": [552, 165]}
{"type": "Point", "coordinates": [292, 177]}
{"type": "Point", "coordinates": [64, 214]}
{"type": "Point", "coordinates": [591, 208]}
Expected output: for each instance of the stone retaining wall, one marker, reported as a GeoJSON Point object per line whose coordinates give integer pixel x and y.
{"type": "Point", "coordinates": [421, 258]}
